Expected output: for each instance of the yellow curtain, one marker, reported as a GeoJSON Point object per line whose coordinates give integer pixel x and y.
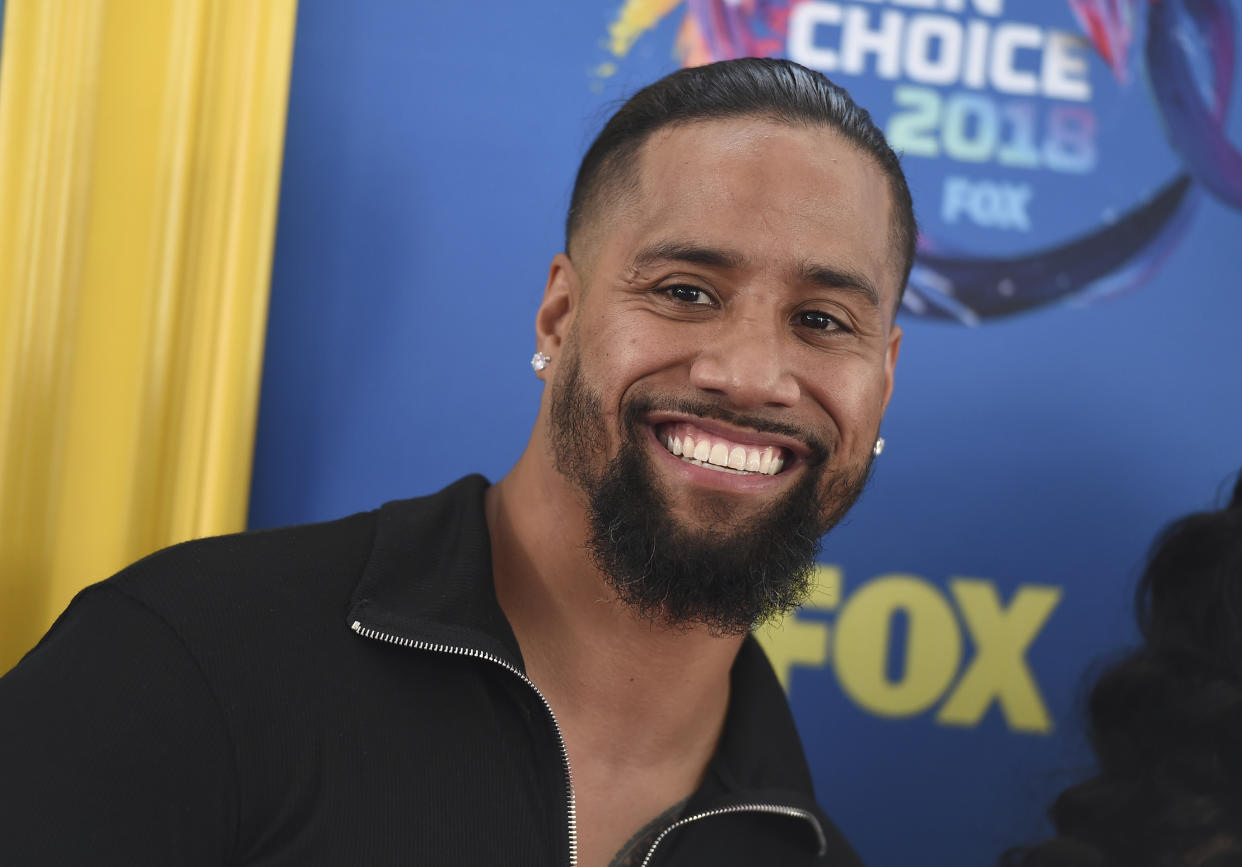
{"type": "Point", "coordinates": [140, 155]}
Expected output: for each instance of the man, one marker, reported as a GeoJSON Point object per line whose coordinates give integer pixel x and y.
{"type": "Point", "coordinates": [556, 668]}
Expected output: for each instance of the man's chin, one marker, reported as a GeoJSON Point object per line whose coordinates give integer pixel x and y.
{"type": "Point", "coordinates": [689, 558]}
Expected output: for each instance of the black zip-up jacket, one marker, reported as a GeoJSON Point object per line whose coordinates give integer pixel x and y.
{"type": "Point", "coordinates": [341, 693]}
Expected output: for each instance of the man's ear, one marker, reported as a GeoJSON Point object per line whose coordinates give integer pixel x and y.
{"type": "Point", "coordinates": [890, 362]}
{"type": "Point", "coordinates": [556, 312]}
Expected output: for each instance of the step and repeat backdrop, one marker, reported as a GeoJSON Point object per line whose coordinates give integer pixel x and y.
{"type": "Point", "coordinates": [1070, 379]}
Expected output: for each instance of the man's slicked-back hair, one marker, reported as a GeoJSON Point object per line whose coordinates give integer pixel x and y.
{"type": "Point", "coordinates": [769, 88]}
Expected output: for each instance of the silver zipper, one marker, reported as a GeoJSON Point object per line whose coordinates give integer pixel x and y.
{"type": "Point", "coordinates": [780, 809]}
{"type": "Point", "coordinates": [572, 807]}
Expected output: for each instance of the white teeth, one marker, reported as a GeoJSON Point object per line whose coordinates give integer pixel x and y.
{"type": "Point", "coordinates": [739, 460]}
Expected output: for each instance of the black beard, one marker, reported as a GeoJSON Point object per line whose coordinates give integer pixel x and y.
{"type": "Point", "coordinates": [678, 577]}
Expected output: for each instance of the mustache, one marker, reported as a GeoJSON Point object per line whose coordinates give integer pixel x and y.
{"type": "Point", "coordinates": [639, 407]}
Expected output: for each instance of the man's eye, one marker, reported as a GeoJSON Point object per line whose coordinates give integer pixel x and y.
{"type": "Point", "coordinates": [819, 320]}
{"type": "Point", "coordinates": [688, 294]}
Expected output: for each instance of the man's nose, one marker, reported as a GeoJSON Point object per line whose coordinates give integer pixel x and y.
{"type": "Point", "coordinates": [745, 361]}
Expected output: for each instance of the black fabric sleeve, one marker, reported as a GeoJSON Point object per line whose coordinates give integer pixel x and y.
{"type": "Point", "coordinates": [113, 749]}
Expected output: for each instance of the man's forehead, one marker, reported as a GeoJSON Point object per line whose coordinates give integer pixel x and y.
{"type": "Point", "coordinates": [735, 175]}
{"type": "Point", "coordinates": [694, 154]}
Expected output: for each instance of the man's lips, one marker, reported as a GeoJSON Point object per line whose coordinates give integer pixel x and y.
{"type": "Point", "coordinates": [716, 447]}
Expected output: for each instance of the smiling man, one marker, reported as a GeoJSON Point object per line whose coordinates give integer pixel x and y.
{"type": "Point", "coordinates": [719, 346]}
{"type": "Point", "coordinates": [557, 668]}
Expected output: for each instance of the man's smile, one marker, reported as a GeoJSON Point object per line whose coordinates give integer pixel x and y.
{"type": "Point", "coordinates": [735, 455]}
{"type": "Point", "coordinates": [714, 451]}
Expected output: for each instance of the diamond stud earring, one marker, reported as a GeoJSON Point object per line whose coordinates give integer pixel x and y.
{"type": "Point", "coordinates": [878, 448]}
{"type": "Point", "coordinates": [539, 361]}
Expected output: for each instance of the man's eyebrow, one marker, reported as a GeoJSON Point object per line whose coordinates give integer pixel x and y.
{"type": "Point", "coordinates": [825, 276]}
{"type": "Point", "coordinates": [830, 277]}
{"type": "Point", "coordinates": [679, 251]}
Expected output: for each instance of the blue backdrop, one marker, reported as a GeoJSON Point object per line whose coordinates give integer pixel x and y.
{"type": "Point", "coordinates": [1070, 378]}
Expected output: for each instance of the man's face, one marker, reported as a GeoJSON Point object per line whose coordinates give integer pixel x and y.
{"type": "Point", "coordinates": [724, 359]}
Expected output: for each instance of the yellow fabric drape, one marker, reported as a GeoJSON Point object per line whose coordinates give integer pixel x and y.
{"type": "Point", "coordinates": [140, 156]}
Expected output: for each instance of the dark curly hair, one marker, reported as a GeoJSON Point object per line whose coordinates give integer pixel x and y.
{"type": "Point", "coordinates": [1166, 721]}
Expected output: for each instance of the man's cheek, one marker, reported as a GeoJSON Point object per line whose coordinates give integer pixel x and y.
{"type": "Point", "coordinates": [854, 414]}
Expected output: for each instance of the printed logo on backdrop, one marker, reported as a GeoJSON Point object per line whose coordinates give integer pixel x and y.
{"type": "Point", "coordinates": [898, 647]}
{"type": "Point", "coordinates": [1044, 170]}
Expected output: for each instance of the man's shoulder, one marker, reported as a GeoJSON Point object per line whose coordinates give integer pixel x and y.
{"type": "Point", "coordinates": [288, 569]}
{"type": "Point", "coordinates": [254, 562]}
